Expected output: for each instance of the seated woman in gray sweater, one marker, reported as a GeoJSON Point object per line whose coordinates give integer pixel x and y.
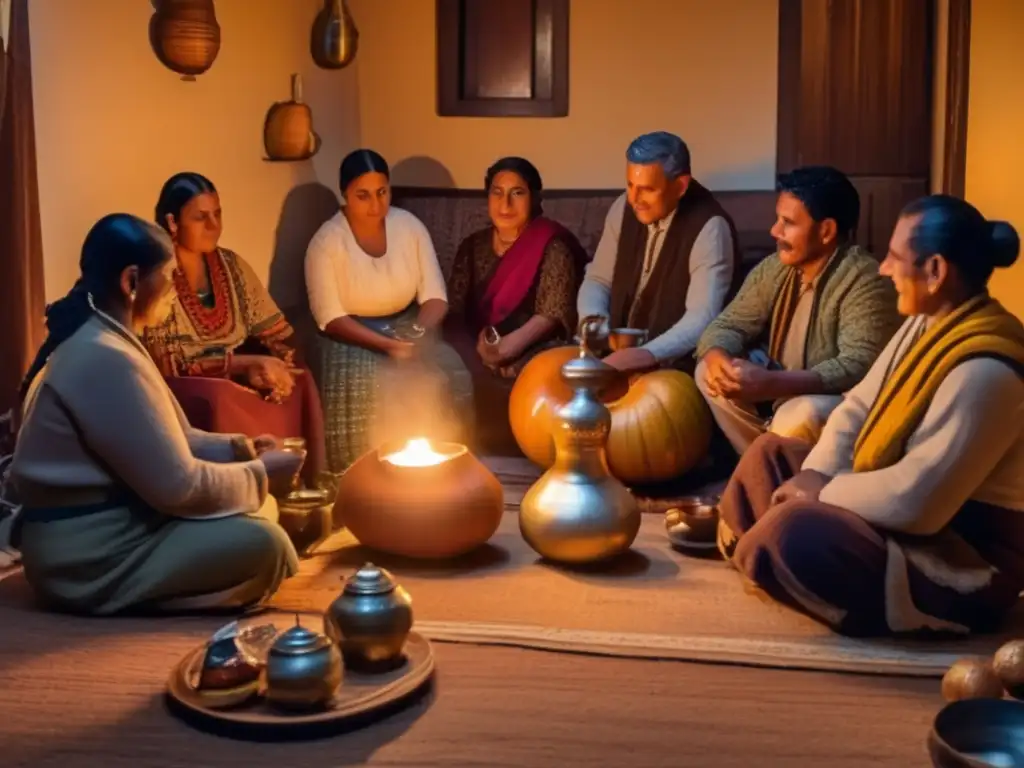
{"type": "Point", "coordinates": [124, 506]}
{"type": "Point", "coordinates": [908, 514]}
{"type": "Point", "coordinates": [807, 323]}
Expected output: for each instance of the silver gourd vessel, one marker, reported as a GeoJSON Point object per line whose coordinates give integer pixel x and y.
{"type": "Point", "coordinates": [577, 512]}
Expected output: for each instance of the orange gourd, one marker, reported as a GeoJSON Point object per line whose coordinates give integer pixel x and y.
{"type": "Point", "coordinates": [661, 426]}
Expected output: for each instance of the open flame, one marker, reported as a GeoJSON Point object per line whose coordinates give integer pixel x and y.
{"type": "Point", "coordinates": [417, 452]}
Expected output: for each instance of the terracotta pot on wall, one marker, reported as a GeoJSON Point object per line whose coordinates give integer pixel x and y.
{"type": "Point", "coordinates": [185, 35]}
{"type": "Point", "coordinates": [288, 129]}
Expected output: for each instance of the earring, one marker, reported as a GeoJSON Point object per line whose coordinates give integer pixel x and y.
{"type": "Point", "coordinates": [131, 296]}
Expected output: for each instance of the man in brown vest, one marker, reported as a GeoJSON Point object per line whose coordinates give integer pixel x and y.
{"type": "Point", "coordinates": [667, 260]}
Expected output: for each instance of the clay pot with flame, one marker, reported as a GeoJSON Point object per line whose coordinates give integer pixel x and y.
{"type": "Point", "coordinates": [420, 500]}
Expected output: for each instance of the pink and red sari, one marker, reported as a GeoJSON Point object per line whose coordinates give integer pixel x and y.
{"type": "Point", "coordinates": [539, 275]}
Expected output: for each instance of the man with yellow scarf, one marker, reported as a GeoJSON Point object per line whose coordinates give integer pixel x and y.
{"type": "Point", "coordinates": [908, 514]}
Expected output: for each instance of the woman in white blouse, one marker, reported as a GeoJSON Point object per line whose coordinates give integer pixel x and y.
{"type": "Point", "coordinates": [378, 298]}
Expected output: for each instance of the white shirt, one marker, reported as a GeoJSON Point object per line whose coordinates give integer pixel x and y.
{"type": "Point", "coordinates": [711, 267]}
{"type": "Point", "coordinates": [342, 279]}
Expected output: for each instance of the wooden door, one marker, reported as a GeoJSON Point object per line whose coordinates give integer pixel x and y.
{"type": "Point", "coordinates": [855, 92]}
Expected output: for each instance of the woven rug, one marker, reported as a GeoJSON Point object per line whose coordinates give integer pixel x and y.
{"type": "Point", "coordinates": [652, 603]}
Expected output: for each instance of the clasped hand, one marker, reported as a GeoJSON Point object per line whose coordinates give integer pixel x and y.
{"type": "Point", "coordinates": [271, 376]}
{"type": "Point", "coordinates": [805, 485]}
{"type": "Point", "coordinates": [736, 378]}
{"type": "Point", "coordinates": [492, 355]}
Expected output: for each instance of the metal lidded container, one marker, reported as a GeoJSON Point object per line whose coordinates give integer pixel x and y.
{"type": "Point", "coordinates": [370, 620]}
{"type": "Point", "coordinates": [303, 669]}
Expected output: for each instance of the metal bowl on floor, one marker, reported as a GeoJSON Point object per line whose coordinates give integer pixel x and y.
{"type": "Point", "coordinates": [978, 733]}
{"type": "Point", "coordinates": [306, 516]}
{"type": "Point", "coordinates": [692, 524]}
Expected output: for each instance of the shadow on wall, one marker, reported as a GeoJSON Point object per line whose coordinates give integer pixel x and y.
{"type": "Point", "coordinates": [420, 171]}
{"type": "Point", "coordinates": [305, 208]}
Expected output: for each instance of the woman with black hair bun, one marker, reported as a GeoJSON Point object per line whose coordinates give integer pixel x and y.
{"type": "Point", "coordinates": [908, 514]}
{"type": "Point", "coordinates": [378, 298]}
{"type": "Point", "coordinates": [124, 505]}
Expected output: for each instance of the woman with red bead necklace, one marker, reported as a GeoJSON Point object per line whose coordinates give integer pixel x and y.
{"type": "Point", "coordinates": [227, 350]}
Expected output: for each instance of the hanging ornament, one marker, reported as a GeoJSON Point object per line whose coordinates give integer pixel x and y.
{"type": "Point", "coordinates": [185, 35]}
{"type": "Point", "coordinates": [335, 39]}
{"type": "Point", "coordinates": [288, 129]}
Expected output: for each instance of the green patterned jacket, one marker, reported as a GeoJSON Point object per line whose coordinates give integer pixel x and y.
{"type": "Point", "coordinates": [853, 319]}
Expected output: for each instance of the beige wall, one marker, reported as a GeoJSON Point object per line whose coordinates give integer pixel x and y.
{"type": "Point", "coordinates": [113, 123]}
{"type": "Point", "coordinates": [995, 152]}
{"type": "Point", "coordinates": [707, 71]}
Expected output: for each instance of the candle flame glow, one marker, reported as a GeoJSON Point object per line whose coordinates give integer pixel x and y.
{"type": "Point", "coordinates": [417, 452]}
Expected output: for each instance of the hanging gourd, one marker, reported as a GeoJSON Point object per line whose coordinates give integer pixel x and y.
{"type": "Point", "coordinates": [661, 426]}
{"type": "Point", "coordinates": [288, 129]}
{"type": "Point", "coordinates": [335, 39]}
{"type": "Point", "coordinates": [185, 35]}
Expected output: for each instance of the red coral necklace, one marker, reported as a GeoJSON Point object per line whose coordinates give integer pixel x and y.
{"type": "Point", "coordinates": [211, 322]}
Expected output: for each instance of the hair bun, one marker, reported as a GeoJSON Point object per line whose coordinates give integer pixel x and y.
{"type": "Point", "coordinates": [1005, 243]}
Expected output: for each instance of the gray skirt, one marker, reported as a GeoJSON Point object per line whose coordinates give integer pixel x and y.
{"type": "Point", "coordinates": [128, 557]}
{"type": "Point", "coordinates": [368, 398]}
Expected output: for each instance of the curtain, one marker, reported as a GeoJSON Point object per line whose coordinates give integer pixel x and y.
{"type": "Point", "coordinates": [22, 293]}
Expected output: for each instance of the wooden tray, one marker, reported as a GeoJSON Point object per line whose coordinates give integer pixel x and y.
{"type": "Point", "coordinates": [361, 699]}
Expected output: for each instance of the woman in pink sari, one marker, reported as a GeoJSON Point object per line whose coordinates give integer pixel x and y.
{"type": "Point", "coordinates": [511, 292]}
{"type": "Point", "coordinates": [226, 350]}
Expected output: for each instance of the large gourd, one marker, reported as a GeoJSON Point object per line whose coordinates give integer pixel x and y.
{"type": "Point", "coordinates": [661, 426]}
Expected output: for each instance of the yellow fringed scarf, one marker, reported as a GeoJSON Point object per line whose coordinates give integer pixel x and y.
{"type": "Point", "coordinates": [978, 328]}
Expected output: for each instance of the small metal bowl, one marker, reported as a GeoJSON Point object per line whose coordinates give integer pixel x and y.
{"type": "Point", "coordinates": [978, 733]}
{"type": "Point", "coordinates": [305, 499]}
{"type": "Point", "coordinates": [624, 338]}
{"type": "Point", "coordinates": [306, 516]}
{"type": "Point", "coordinates": [693, 523]}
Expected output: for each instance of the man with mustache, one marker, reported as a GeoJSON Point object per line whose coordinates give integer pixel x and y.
{"type": "Point", "coordinates": [820, 305]}
{"type": "Point", "coordinates": [667, 257]}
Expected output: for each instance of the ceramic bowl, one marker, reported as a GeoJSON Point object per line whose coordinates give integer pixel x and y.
{"type": "Point", "coordinates": [693, 523]}
{"type": "Point", "coordinates": [978, 733]}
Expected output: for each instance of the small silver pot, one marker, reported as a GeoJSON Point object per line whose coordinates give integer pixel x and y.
{"type": "Point", "coordinates": [303, 669]}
